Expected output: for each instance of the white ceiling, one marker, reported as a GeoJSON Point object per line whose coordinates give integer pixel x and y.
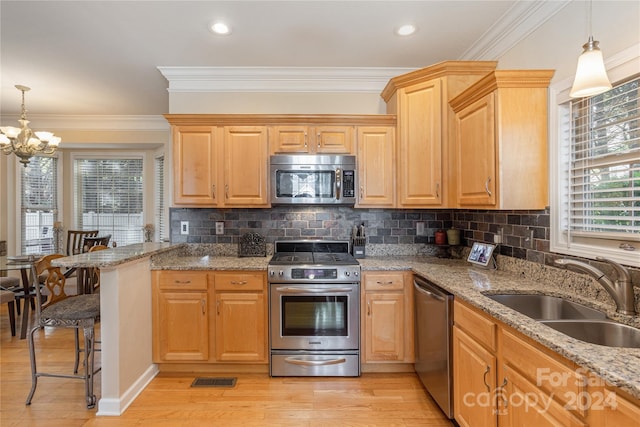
{"type": "Point", "coordinates": [102, 57]}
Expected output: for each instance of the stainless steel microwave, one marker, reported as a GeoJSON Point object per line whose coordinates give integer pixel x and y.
{"type": "Point", "coordinates": [313, 179]}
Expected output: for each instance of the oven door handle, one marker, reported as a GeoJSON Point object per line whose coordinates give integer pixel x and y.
{"type": "Point", "coordinates": [306, 290]}
{"type": "Point", "coordinates": [295, 361]}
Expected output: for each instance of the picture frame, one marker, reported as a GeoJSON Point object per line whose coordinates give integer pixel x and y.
{"type": "Point", "coordinates": [481, 254]}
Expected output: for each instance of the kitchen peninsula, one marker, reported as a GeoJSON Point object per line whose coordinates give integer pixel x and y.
{"type": "Point", "coordinates": [125, 320]}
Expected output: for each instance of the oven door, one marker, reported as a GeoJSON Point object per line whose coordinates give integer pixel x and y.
{"type": "Point", "coordinates": [315, 316]}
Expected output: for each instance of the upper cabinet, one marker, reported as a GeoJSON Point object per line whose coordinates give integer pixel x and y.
{"type": "Point", "coordinates": [196, 165]}
{"type": "Point", "coordinates": [220, 166]}
{"type": "Point", "coordinates": [311, 139]}
{"type": "Point", "coordinates": [501, 141]}
{"type": "Point", "coordinates": [424, 148]}
{"type": "Point", "coordinates": [376, 166]}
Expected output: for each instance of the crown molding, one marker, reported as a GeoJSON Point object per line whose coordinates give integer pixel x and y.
{"type": "Point", "coordinates": [280, 79]}
{"type": "Point", "coordinates": [95, 122]}
{"type": "Point", "coordinates": [517, 23]}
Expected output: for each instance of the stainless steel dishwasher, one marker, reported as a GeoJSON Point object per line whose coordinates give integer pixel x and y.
{"type": "Point", "coordinates": [434, 320]}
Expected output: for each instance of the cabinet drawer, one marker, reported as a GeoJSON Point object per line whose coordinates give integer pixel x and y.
{"type": "Point", "coordinates": [384, 281]}
{"type": "Point", "coordinates": [239, 281]}
{"type": "Point", "coordinates": [480, 327]}
{"type": "Point", "coordinates": [182, 280]}
{"type": "Point", "coordinates": [548, 374]}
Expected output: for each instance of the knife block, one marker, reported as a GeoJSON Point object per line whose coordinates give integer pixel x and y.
{"type": "Point", "coordinates": [357, 246]}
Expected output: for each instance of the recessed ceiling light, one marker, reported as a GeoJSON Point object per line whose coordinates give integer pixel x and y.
{"type": "Point", "coordinates": [406, 30]}
{"type": "Point", "coordinates": [219, 28]}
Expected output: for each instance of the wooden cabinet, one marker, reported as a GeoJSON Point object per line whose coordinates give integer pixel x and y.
{"type": "Point", "coordinates": [615, 409]}
{"type": "Point", "coordinates": [196, 165]}
{"type": "Point", "coordinates": [180, 317]}
{"type": "Point", "coordinates": [245, 166]}
{"type": "Point", "coordinates": [241, 317]}
{"type": "Point", "coordinates": [311, 139]}
{"type": "Point", "coordinates": [474, 368]}
{"type": "Point", "coordinates": [501, 141]}
{"type": "Point", "coordinates": [420, 100]}
{"type": "Point", "coordinates": [376, 166]}
{"type": "Point", "coordinates": [387, 317]}
{"type": "Point", "coordinates": [209, 317]}
{"type": "Point", "coordinates": [220, 166]}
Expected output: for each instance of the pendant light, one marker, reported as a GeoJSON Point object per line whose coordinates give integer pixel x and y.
{"type": "Point", "coordinates": [591, 76]}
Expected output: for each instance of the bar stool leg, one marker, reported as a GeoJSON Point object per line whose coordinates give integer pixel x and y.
{"type": "Point", "coordinates": [34, 371]}
{"type": "Point", "coordinates": [89, 365]}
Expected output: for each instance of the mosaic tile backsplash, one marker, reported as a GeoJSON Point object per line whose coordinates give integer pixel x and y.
{"type": "Point", "coordinates": [525, 234]}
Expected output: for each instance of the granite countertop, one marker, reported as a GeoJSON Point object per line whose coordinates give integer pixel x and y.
{"type": "Point", "coordinates": [619, 366]}
{"type": "Point", "coordinates": [110, 258]}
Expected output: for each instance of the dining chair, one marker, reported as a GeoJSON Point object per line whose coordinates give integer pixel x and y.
{"type": "Point", "coordinates": [63, 311]}
{"type": "Point", "coordinates": [9, 298]}
{"type": "Point", "coordinates": [89, 277]}
{"type": "Point", "coordinates": [75, 244]}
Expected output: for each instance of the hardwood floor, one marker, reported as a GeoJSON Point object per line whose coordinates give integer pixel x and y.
{"type": "Point", "coordinates": [256, 400]}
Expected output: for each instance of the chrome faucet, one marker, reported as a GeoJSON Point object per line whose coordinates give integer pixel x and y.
{"type": "Point", "coordinates": [621, 290]}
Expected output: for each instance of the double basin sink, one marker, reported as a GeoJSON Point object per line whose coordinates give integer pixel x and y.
{"type": "Point", "coordinates": [573, 319]}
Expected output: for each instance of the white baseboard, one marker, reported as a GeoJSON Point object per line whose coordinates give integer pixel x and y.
{"type": "Point", "coordinates": [115, 407]}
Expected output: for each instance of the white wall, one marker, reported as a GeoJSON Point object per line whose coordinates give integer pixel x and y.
{"type": "Point", "coordinates": [558, 42]}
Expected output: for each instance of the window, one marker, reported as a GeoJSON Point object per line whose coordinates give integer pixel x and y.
{"type": "Point", "coordinates": [109, 198]}
{"type": "Point", "coordinates": [599, 175]}
{"type": "Point", "coordinates": [39, 205]}
{"type": "Point", "coordinates": [159, 199]}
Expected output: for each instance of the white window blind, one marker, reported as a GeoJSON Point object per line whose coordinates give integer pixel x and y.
{"type": "Point", "coordinates": [159, 199]}
{"type": "Point", "coordinates": [109, 198]}
{"type": "Point", "coordinates": [604, 165]}
{"type": "Point", "coordinates": [38, 204]}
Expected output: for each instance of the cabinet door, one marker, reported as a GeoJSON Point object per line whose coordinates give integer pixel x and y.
{"type": "Point", "coordinates": [333, 140]}
{"type": "Point", "coordinates": [246, 159]}
{"type": "Point", "coordinates": [384, 327]}
{"type": "Point", "coordinates": [195, 165]}
{"type": "Point", "coordinates": [522, 404]}
{"type": "Point", "coordinates": [181, 327]}
{"type": "Point", "coordinates": [289, 139]}
{"type": "Point", "coordinates": [240, 327]}
{"type": "Point", "coordinates": [476, 151]}
{"type": "Point", "coordinates": [616, 410]}
{"type": "Point", "coordinates": [420, 145]}
{"type": "Point", "coordinates": [474, 383]}
{"type": "Point", "coordinates": [376, 172]}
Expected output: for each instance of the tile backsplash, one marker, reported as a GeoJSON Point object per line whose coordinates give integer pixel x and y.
{"type": "Point", "coordinates": [525, 234]}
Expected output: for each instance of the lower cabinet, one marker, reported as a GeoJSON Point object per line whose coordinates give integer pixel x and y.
{"type": "Point", "coordinates": [387, 317]}
{"type": "Point", "coordinates": [213, 317]}
{"type": "Point", "coordinates": [503, 378]}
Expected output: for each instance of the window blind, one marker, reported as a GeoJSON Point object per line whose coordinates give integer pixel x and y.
{"type": "Point", "coordinates": [109, 198]}
{"type": "Point", "coordinates": [604, 169]}
{"type": "Point", "coordinates": [159, 199]}
{"type": "Point", "coordinates": [39, 204]}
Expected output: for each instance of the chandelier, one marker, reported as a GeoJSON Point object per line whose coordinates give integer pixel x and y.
{"type": "Point", "coordinates": [24, 142]}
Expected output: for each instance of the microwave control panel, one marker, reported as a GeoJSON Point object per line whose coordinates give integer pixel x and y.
{"type": "Point", "coordinates": [348, 183]}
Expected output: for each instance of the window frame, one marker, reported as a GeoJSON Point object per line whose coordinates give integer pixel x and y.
{"type": "Point", "coordinates": [18, 198]}
{"type": "Point", "coordinates": [102, 155]}
{"type": "Point", "coordinates": [620, 67]}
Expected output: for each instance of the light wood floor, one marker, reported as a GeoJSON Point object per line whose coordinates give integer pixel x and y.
{"type": "Point", "coordinates": [256, 400]}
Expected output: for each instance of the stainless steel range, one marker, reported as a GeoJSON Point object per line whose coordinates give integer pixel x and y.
{"type": "Point", "coordinates": [314, 309]}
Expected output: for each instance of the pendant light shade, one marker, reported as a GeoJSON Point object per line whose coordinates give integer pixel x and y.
{"type": "Point", "coordinates": [591, 76]}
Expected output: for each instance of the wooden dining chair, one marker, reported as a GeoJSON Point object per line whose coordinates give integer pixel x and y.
{"type": "Point", "coordinates": [90, 242]}
{"type": "Point", "coordinates": [63, 311]}
{"type": "Point", "coordinates": [75, 240]}
{"type": "Point", "coordinates": [9, 298]}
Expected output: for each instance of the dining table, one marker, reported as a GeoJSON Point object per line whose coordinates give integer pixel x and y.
{"type": "Point", "coordinates": [27, 266]}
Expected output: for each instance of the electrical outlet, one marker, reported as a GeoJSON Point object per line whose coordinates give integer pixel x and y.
{"type": "Point", "coordinates": [184, 227]}
{"type": "Point", "coordinates": [419, 228]}
{"type": "Point", "coordinates": [219, 227]}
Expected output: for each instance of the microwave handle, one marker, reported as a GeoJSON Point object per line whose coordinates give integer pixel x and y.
{"type": "Point", "coordinates": [338, 183]}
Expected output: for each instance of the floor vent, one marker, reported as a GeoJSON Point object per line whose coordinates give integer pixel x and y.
{"type": "Point", "coordinates": [214, 382]}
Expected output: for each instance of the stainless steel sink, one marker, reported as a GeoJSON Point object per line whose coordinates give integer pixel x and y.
{"type": "Point", "coordinates": [601, 332]}
{"type": "Point", "coordinates": [543, 307]}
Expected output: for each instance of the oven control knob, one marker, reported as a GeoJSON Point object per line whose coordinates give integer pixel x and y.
{"type": "Point", "coordinates": [355, 273]}
{"type": "Point", "coordinates": [346, 273]}
{"type": "Point", "coordinates": [281, 273]}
